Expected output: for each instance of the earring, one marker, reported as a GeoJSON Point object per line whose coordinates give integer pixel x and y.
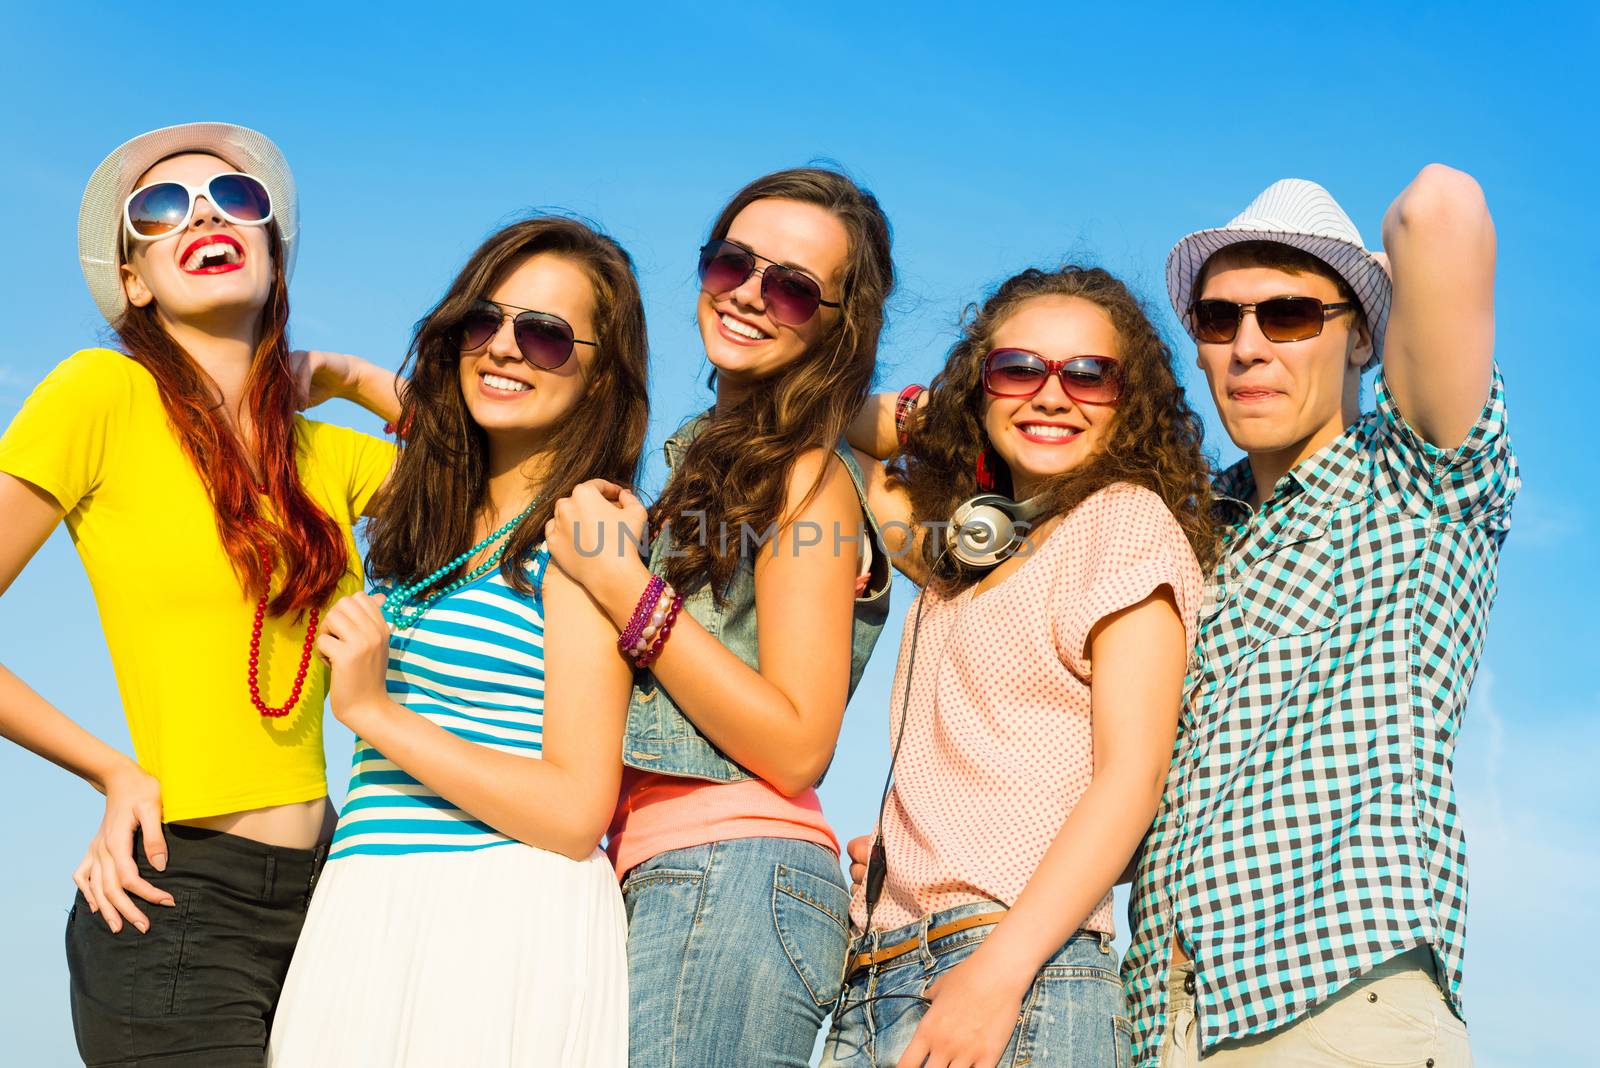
{"type": "Point", "coordinates": [986, 481]}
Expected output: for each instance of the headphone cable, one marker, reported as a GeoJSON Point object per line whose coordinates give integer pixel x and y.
{"type": "Point", "coordinates": [878, 861]}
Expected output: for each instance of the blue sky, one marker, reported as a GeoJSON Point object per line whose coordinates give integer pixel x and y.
{"type": "Point", "coordinates": [1031, 134]}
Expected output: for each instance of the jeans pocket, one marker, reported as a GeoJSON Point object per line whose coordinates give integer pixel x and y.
{"type": "Point", "coordinates": [148, 965]}
{"type": "Point", "coordinates": [811, 915]}
{"type": "Point", "coordinates": [1070, 1016]}
{"type": "Point", "coordinates": [1122, 1038]}
{"type": "Point", "coordinates": [681, 886]}
{"type": "Point", "coordinates": [182, 922]}
{"type": "Point", "coordinates": [1369, 1024]}
{"type": "Point", "coordinates": [642, 877]}
{"type": "Point", "coordinates": [116, 979]}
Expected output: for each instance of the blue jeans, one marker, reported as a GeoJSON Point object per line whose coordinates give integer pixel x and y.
{"type": "Point", "coordinates": [735, 950]}
{"type": "Point", "coordinates": [1074, 1013]}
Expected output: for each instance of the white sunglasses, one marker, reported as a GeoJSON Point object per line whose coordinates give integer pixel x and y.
{"type": "Point", "coordinates": [164, 208]}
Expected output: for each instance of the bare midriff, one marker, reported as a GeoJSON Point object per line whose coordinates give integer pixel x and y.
{"type": "Point", "coordinates": [297, 826]}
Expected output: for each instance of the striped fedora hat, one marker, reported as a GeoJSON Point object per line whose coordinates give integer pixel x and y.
{"type": "Point", "coordinates": [1301, 214]}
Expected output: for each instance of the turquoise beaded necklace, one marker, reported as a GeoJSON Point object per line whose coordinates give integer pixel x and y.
{"type": "Point", "coordinates": [399, 607]}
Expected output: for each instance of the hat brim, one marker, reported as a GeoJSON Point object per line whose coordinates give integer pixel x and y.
{"type": "Point", "coordinates": [1357, 266]}
{"type": "Point", "coordinates": [100, 216]}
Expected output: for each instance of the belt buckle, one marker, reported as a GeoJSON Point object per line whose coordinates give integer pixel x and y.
{"type": "Point", "coordinates": [865, 945]}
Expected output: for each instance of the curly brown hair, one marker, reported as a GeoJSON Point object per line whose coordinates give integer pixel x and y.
{"type": "Point", "coordinates": [736, 471]}
{"type": "Point", "coordinates": [1155, 439]}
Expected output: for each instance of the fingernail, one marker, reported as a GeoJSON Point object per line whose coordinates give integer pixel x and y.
{"type": "Point", "coordinates": [142, 927]}
{"type": "Point", "coordinates": [159, 861]}
{"type": "Point", "coordinates": [169, 902]}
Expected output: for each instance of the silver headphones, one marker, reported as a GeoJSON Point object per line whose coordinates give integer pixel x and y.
{"type": "Point", "coordinates": [985, 529]}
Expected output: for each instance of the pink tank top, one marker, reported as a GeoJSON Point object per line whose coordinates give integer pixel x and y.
{"type": "Point", "coordinates": [659, 813]}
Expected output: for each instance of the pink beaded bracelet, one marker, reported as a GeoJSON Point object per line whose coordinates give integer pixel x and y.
{"type": "Point", "coordinates": [641, 615]}
{"type": "Point", "coordinates": [671, 617]}
{"type": "Point", "coordinates": [658, 615]}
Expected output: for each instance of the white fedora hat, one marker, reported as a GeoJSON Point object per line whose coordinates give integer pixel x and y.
{"type": "Point", "coordinates": [100, 217]}
{"type": "Point", "coordinates": [1301, 214]}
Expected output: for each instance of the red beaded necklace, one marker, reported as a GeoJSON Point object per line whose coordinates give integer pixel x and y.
{"type": "Point", "coordinates": [255, 651]}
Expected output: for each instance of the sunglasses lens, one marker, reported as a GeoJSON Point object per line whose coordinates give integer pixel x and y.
{"type": "Point", "coordinates": [158, 209]}
{"type": "Point", "coordinates": [1092, 379]}
{"type": "Point", "coordinates": [1215, 321]}
{"type": "Point", "coordinates": [724, 267]}
{"type": "Point", "coordinates": [544, 342]}
{"type": "Point", "coordinates": [477, 327]}
{"type": "Point", "coordinates": [240, 197]}
{"type": "Point", "coordinates": [1012, 373]}
{"type": "Point", "coordinates": [791, 297]}
{"type": "Point", "coordinates": [1290, 318]}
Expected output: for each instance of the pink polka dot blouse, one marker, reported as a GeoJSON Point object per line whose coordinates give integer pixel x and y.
{"type": "Point", "coordinates": [998, 748]}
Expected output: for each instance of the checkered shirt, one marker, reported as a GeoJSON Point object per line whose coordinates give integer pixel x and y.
{"type": "Point", "coordinates": [1309, 828]}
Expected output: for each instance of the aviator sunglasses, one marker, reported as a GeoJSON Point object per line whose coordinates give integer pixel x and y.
{"type": "Point", "coordinates": [1020, 373]}
{"type": "Point", "coordinates": [1280, 318]}
{"type": "Point", "coordinates": [161, 208]}
{"type": "Point", "coordinates": [791, 297]}
{"type": "Point", "coordinates": [544, 340]}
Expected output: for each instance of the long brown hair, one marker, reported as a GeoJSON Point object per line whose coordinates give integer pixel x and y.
{"type": "Point", "coordinates": [736, 471]}
{"type": "Point", "coordinates": [426, 515]}
{"type": "Point", "coordinates": [290, 527]}
{"type": "Point", "coordinates": [1155, 438]}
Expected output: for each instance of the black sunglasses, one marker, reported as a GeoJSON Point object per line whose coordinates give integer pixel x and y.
{"type": "Point", "coordinates": [1280, 318]}
{"type": "Point", "coordinates": [545, 340]}
{"type": "Point", "coordinates": [791, 297]}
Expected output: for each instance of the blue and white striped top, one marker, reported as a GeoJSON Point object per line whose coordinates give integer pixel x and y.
{"type": "Point", "coordinates": [473, 664]}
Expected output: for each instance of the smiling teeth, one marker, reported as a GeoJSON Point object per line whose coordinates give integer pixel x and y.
{"type": "Point", "coordinates": [742, 329]}
{"type": "Point", "coordinates": [211, 255]}
{"type": "Point", "coordinates": [511, 384]}
{"type": "Point", "coordinates": [1039, 430]}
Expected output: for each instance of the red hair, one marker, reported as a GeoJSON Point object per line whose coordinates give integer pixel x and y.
{"type": "Point", "coordinates": [287, 525]}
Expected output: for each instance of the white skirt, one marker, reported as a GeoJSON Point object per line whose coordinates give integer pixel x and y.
{"type": "Point", "coordinates": [505, 956]}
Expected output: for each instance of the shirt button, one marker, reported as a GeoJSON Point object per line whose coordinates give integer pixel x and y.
{"type": "Point", "coordinates": [1188, 984]}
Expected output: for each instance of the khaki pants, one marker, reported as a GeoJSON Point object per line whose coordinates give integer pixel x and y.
{"type": "Point", "coordinates": [1392, 1015]}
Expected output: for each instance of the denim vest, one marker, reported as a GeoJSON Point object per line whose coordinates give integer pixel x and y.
{"type": "Point", "coordinates": [660, 738]}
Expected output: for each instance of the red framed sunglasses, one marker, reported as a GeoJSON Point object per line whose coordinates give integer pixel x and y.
{"type": "Point", "coordinates": [1020, 373]}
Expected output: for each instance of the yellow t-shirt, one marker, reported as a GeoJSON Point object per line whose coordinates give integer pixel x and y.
{"type": "Point", "coordinates": [94, 435]}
